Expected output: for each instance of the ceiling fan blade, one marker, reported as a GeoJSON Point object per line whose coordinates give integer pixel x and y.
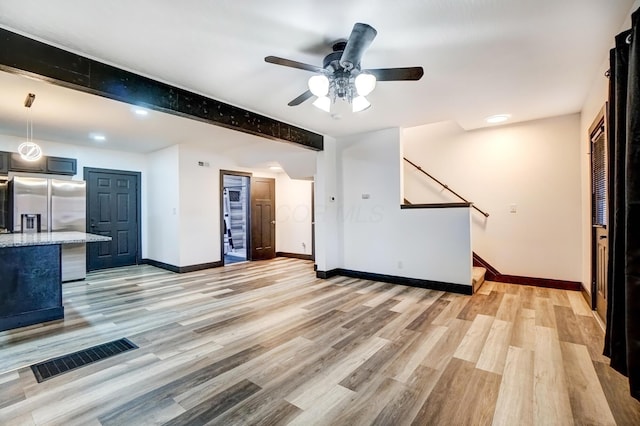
{"type": "Point", "coordinates": [397, 74]}
{"type": "Point", "coordinates": [293, 64]}
{"type": "Point", "coordinates": [300, 99]}
{"type": "Point", "coordinates": [360, 39]}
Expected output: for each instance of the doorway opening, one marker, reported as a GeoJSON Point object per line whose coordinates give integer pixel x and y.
{"type": "Point", "coordinates": [235, 216]}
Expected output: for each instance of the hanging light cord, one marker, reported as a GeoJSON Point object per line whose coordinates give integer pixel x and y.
{"type": "Point", "coordinates": [29, 126]}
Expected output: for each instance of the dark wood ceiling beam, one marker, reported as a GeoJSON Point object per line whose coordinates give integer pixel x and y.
{"type": "Point", "coordinates": [23, 55]}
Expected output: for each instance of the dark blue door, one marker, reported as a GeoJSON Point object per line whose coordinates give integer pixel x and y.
{"type": "Point", "coordinates": [113, 210]}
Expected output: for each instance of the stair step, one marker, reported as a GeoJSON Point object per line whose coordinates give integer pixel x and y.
{"type": "Point", "coordinates": [477, 277]}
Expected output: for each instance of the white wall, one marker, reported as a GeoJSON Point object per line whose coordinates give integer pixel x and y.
{"type": "Point", "coordinates": [181, 200]}
{"type": "Point", "coordinates": [534, 165]}
{"type": "Point", "coordinates": [327, 199]}
{"type": "Point", "coordinates": [93, 157]}
{"type": "Point", "coordinates": [163, 224]}
{"type": "Point", "coordinates": [199, 207]}
{"type": "Point", "coordinates": [293, 215]}
{"type": "Point", "coordinates": [595, 100]}
{"type": "Point", "coordinates": [379, 237]}
{"type": "Point", "coordinates": [199, 212]}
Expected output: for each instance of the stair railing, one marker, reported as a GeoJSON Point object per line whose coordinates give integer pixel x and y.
{"type": "Point", "coordinates": [485, 214]}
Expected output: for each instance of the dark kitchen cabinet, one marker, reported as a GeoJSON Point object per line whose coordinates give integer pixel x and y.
{"type": "Point", "coordinates": [18, 164]}
{"type": "Point", "coordinates": [61, 166]}
{"type": "Point", "coordinates": [12, 162]}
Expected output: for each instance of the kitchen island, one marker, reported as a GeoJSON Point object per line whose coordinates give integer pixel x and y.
{"type": "Point", "coordinates": [31, 277]}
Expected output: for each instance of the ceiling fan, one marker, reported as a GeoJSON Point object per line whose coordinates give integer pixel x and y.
{"type": "Point", "coordinates": [341, 76]}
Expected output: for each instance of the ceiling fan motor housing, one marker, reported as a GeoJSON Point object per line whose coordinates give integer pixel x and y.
{"type": "Point", "coordinates": [341, 79]}
{"type": "Point", "coordinates": [331, 62]}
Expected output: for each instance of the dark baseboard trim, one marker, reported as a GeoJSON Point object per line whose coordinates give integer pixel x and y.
{"type": "Point", "coordinates": [327, 274]}
{"type": "Point", "coordinates": [393, 279]}
{"type": "Point", "coordinates": [491, 273]}
{"type": "Point", "coordinates": [294, 255]}
{"type": "Point", "coordinates": [539, 282]}
{"type": "Point", "coordinates": [182, 269]}
{"type": "Point", "coordinates": [587, 297]}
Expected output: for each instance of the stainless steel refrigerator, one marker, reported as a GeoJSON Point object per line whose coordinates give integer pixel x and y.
{"type": "Point", "coordinates": [58, 205]}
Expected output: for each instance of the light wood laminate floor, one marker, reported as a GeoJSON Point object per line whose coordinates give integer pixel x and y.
{"type": "Point", "coordinates": [268, 343]}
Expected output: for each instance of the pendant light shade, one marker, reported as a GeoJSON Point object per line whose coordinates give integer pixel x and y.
{"type": "Point", "coordinates": [365, 83]}
{"type": "Point", "coordinates": [323, 102]}
{"type": "Point", "coordinates": [319, 85]}
{"type": "Point", "coordinates": [30, 151]}
{"type": "Point", "coordinates": [360, 103]}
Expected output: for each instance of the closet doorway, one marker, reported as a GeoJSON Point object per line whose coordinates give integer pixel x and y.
{"type": "Point", "coordinates": [236, 219]}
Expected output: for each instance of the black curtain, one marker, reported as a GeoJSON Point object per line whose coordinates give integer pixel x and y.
{"type": "Point", "coordinates": [622, 340]}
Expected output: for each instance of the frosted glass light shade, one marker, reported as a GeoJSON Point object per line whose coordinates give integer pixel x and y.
{"type": "Point", "coordinates": [360, 103]}
{"type": "Point", "coordinates": [323, 102]}
{"type": "Point", "coordinates": [319, 85]}
{"type": "Point", "coordinates": [30, 151]}
{"type": "Point", "coordinates": [365, 83]}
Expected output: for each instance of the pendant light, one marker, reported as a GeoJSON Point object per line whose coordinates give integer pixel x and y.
{"type": "Point", "coordinates": [29, 150]}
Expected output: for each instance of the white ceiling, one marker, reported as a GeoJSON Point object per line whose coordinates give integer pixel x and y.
{"type": "Point", "coordinates": [528, 58]}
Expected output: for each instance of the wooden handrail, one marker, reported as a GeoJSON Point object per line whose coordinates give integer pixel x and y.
{"type": "Point", "coordinates": [485, 214]}
{"type": "Point", "coordinates": [434, 206]}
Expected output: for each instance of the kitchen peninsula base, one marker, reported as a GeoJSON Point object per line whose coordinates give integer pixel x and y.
{"type": "Point", "coordinates": [31, 276]}
{"type": "Point", "coordinates": [31, 290]}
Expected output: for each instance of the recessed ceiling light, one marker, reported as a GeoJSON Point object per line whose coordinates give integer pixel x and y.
{"type": "Point", "coordinates": [275, 168]}
{"type": "Point", "coordinates": [141, 112]}
{"type": "Point", "coordinates": [97, 137]}
{"type": "Point", "coordinates": [498, 118]}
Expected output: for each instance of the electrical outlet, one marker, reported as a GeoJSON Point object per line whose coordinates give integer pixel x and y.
{"type": "Point", "coordinates": [400, 265]}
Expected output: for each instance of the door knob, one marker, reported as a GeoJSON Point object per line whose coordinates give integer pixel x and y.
{"type": "Point", "coordinates": [273, 222]}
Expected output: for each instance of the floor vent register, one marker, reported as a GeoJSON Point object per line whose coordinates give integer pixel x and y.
{"type": "Point", "coordinates": [63, 364]}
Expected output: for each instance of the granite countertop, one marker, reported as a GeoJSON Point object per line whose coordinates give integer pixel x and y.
{"type": "Point", "coordinates": [49, 238]}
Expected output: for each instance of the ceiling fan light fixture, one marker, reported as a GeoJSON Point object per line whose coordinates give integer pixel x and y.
{"type": "Point", "coordinates": [319, 85]}
{"type": "Point", "coordinates": [341, 76]}
{"type": "Point", "coordinates": [365, 83]}
{"type": "Point", "coordinates": [360, 103]}
{"type": "Point", "coordinates": [323, 102]}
